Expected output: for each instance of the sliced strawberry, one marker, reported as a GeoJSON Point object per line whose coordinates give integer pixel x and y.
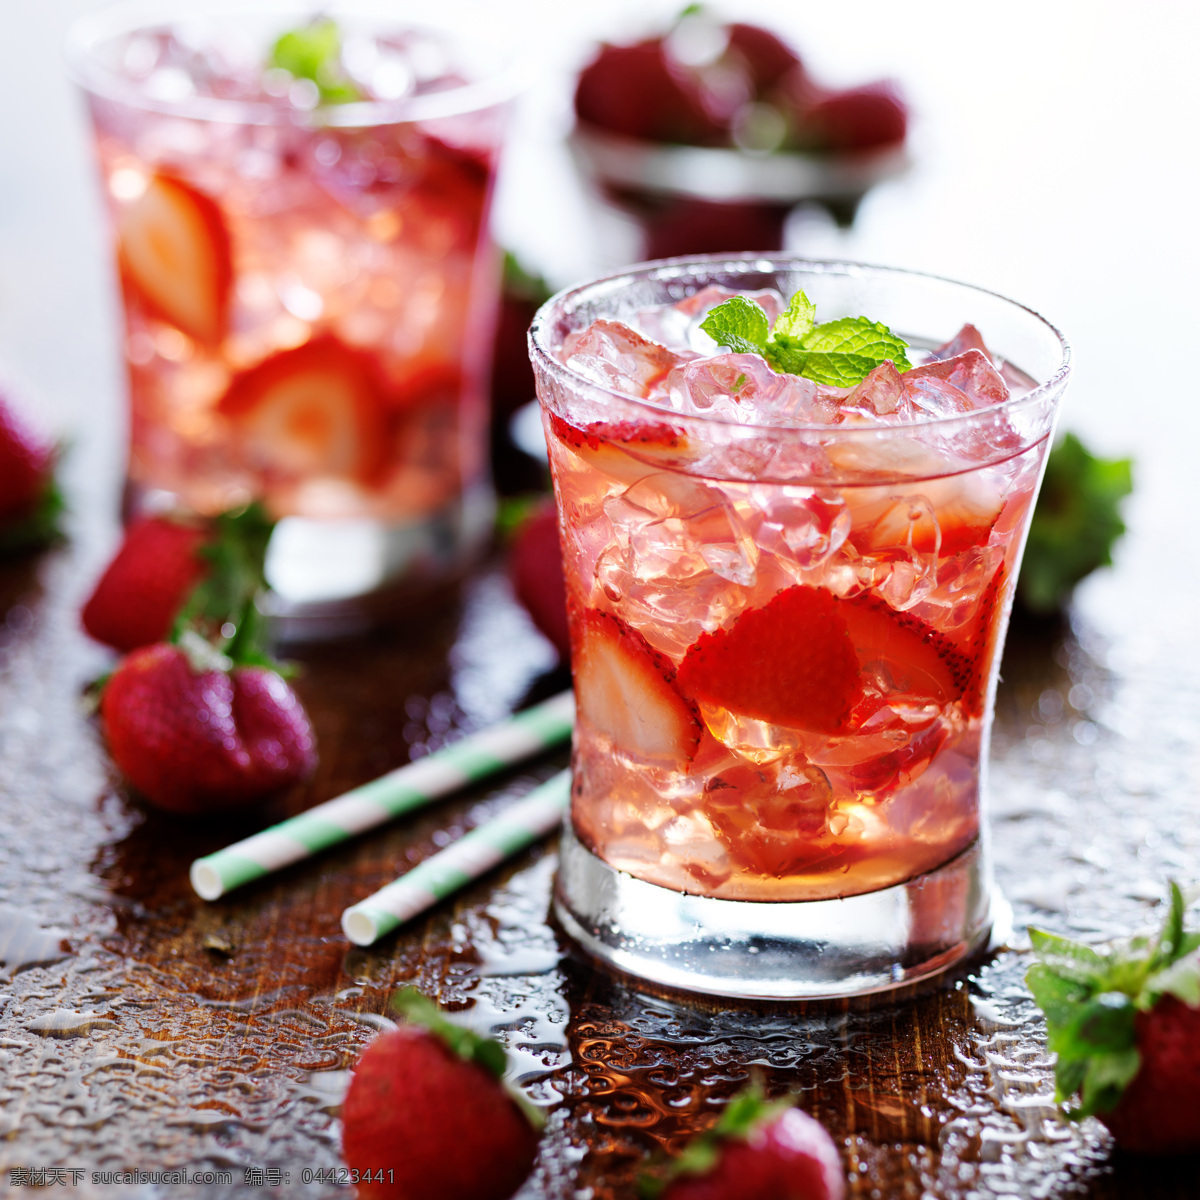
{"type": "Point", "coordinates": [623, 450]}
{"type": "Point", "coordinates": [789, 663]}
{"type": "Point", "coordinates": [960, 513]}
{"type": "Point", "coordinates": [919, 661]}
{"type": "Point", "coordinates": [625, 690]}
{"type": "Point", "coordinates": [174, 250]}
{"type": "Point", "coordinates": [315, 410]}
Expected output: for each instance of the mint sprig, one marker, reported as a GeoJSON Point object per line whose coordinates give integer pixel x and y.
{"type": "Point", "coordinates": [840, 353]}
{"type": "Point", "coordinates": [315, 53]}
{"type": "Point", "coordinates": [1091, 999]}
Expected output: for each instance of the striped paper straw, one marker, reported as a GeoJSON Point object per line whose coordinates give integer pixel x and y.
{"type": "Point", "coordinates": [471, 856]}
{"type": "Point", "coordinates": [401, 791]}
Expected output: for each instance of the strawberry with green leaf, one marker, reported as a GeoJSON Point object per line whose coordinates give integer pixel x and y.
{"type": "Point", "coordinates": [427, 1116]}
{"type": "Point", "coordinates": [1125, 1025]}
{"type": "Point", "coordinates": [758, 1150]}
{"type": "Point", "coordinates": [196, 716]}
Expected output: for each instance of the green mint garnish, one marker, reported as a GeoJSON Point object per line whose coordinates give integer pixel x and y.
{"type": "Point", "coordinates": [739, 324]}
{"type": "Point", "coordinates": [841, 353]}
{"type": "Point", "coordinates": [315, 53]}
{"type": "Point", "coordinates": [1075, 525]}
{"type": "Point", "coordinates": [1091, 999]}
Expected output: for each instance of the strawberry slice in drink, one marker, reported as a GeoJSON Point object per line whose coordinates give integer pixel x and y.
{"type": "Point", "coordinates": [624, 451]}
{"type": "Point", "coordinates": [174, 251]}
{"type": "Point", "coordinates": [941, 516]}
{"type": "Point", "coordinates": [790, 662]}
{"type": "Point", "coordinates": [625, 690]}
{"type": "Point", "coordinates": [317, 410]}
{"type": "Point", "coordinates": [805, 659]}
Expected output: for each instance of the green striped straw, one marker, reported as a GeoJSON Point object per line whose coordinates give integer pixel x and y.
{"type": "Point", "coordinates": [401, 791]}
{"type": "Point", "coordinates": [473, 855]}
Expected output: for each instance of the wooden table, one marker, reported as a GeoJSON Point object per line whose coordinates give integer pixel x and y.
{"type": "Point", "coordinates": [158, 1032]}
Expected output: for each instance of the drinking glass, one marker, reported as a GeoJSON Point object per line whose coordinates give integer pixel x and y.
{"type": "Point", "coordinates": [785, 636]}
{"type": "Point", "coordinates": [309, 287]}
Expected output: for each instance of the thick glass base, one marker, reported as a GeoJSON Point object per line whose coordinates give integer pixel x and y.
{"type": "Point", "coordinates": [808, 950]}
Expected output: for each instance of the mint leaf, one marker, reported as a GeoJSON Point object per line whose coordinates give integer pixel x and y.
{"type": "Point", "coordinates": [739, 324]}
{"type": "Point", "coordinates": [1075, 525]}
{"type": "Point", "coordinates": [315, 53]}
{"type": "Point", "coordinates": [797, 320]}
{"type": "Point", "coordinates": [841, 353]}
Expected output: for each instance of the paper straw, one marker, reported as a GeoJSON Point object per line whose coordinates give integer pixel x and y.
{"type": "Point", "coordinates": [401, 791]}
{"type": "Point", "coordinates": [471, 856]}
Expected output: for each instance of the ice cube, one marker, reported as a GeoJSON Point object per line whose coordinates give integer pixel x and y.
{"type": "Point", "coordinates": [880, 394]}
{"type": "Point", "coordinates": [967, 338]}
{"type": "Point", "coordinates": [940, 388]}
{"type": "Point", "coordinates": [802, 529]}
{"type": "Point", "coordinates": [614, 356]}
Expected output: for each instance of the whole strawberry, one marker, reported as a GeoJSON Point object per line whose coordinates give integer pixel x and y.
{"type": "Point", "coordinates": [196, 734]}
{"type": "Point", "coordinates": [172, 568]}
{"type": "Point", "coordinates": [427, 1118]}
{"type": "Point", "coordinates": [1125, 1025]}
{"type": "Point", "coordinates": [29, 500]}
{"type": "Point", "coordinates": [136, 600]}
{"type": "Point", "coordinates": [535, 565]}
{"type": "Point", "coordinates": [756, 1151]}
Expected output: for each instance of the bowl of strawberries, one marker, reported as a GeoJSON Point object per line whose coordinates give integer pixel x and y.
{"type": "Point", "coordinates": [711, 133]}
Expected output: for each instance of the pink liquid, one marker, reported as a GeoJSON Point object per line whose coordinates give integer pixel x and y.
{"type": "Point", "coordinates": [681, 550]}
{"type": "Point", "coordinates": [307, 307]}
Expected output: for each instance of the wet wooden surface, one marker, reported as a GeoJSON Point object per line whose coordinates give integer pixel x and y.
{"type": "Point", "coordinates": [143, 1028]}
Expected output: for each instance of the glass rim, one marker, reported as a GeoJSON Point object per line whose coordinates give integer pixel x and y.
{"type": "Point", "coordinates": [89, 31]}
{"type": "Point", "coordinates": [760, 263]}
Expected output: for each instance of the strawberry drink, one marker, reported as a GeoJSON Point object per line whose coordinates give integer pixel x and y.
{"type": "Point", "coordinates": [301, 232]}
{"type": "Point", "coordinates": [791, 534]}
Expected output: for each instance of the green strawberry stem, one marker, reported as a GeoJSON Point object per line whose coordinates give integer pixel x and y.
{"type": "Point", "coordinates": [223, 607]}
{"type": "Point", "coordinates": [1091, 999]}
{"type": "Point", "coordinates": [468, 1045]}
{"type": "Point", "coordinates": [744, 1113]}
{"type": "Point", "coordinates": [41, 526]}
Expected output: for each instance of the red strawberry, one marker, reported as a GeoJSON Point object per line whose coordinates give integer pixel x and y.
{"type": "Point", "coordinates": [625, 690]}
{"type": "Point", "coordinates": [174, 250]}
{"type": "Point", "coordinates": [861, 118]}
{"type": "Point", "coordinates": [1124, 1023]}
{"type": "Point", "coordinates": [426, 1117]}
{"type": "Point", "coordinates": [790, 662]}
{"type": "Point", "coordinates": [537, 574]}
{"type": "Point", "coordinates": [194, 736]}
{"type": "Point", "coordinates": [960, 513]}
{"type": "Point", "coordinates": [315, 410]}
{"type": "Point", "coordinates": [626, 450]}
{"type": "Point", "coordinates": [759, 1151]}
{"type": "Point", "coordinates": [143, 588]}
{"type": "Point", "coordinates": [919, 661]}
{"type": "Point", "coordinates": [767, 57]}
{"type": "Point", "coordinates": [637, 91]}
{"type": "Point", "coordinates": [29, 501]}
